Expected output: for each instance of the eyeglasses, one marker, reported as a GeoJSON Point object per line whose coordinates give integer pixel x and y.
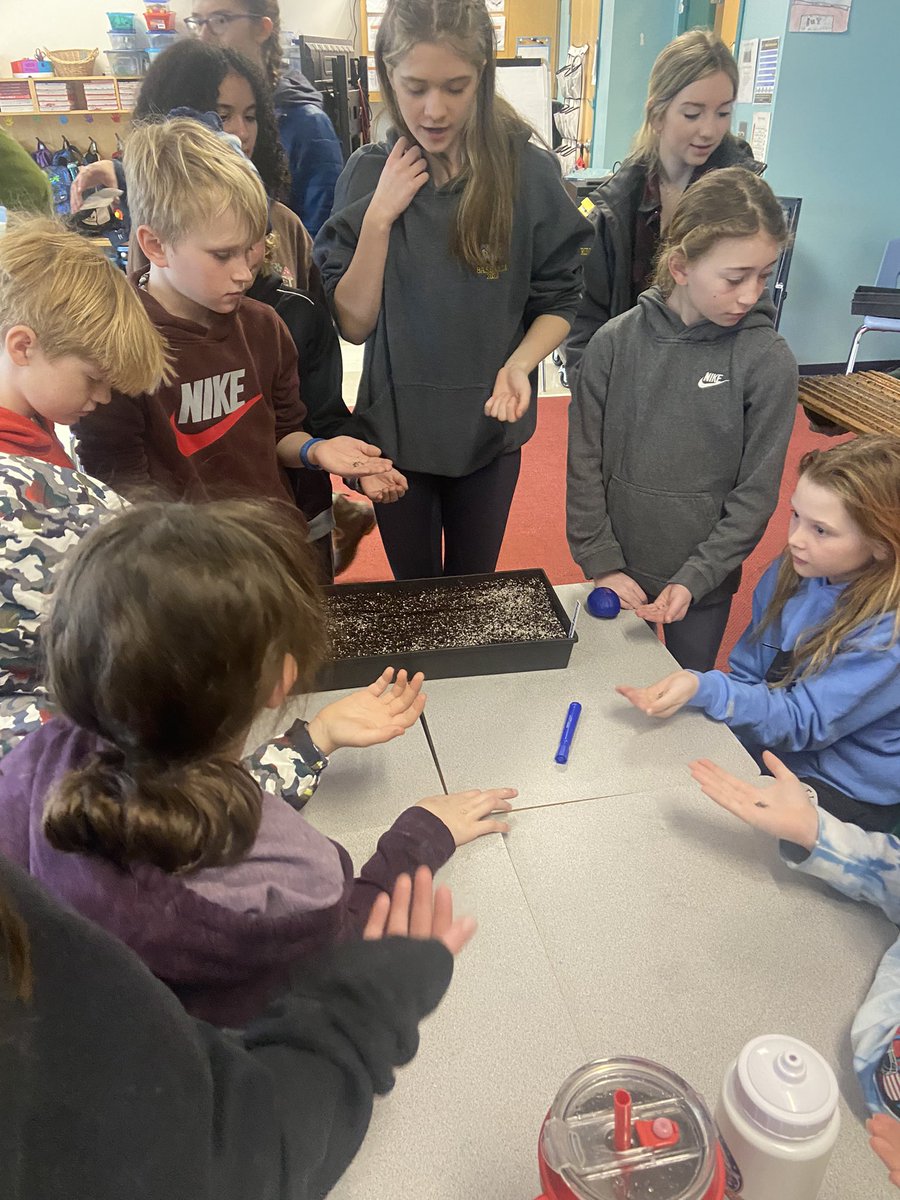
{"type": "Point", "coordinates": [218, 23]}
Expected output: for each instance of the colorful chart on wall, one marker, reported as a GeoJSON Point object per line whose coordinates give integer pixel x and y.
{"type": "Point", "coordinates": [766, 70]}
{"type": "Point", "coordinates": [809, 17]}
{"type": "Point", "coordinates": [498, 20]}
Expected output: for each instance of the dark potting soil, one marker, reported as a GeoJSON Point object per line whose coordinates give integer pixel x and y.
{"type": "Point", "coordinates": [430, 617]}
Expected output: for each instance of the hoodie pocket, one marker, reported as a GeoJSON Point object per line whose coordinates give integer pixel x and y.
{"type": "Point", "coordinates": [658, 530]}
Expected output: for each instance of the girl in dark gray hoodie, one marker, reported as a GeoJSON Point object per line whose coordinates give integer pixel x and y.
{"type": "Point", "coordinates": [681, 417]}
{"type": "Point", "coordinates": [455, 254]}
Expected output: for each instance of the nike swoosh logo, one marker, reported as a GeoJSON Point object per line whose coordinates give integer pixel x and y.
{"type": "Point", "coordinates": [705, 383]}
{"type": "Point", "coordinates": [190, 443]}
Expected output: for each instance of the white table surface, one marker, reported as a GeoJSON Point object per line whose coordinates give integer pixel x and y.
{"type": "Point", "coordinates": [623, 914]}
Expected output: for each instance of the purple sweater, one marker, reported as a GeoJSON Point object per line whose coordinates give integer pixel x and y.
{"type": "Point", "coordinates": [224, 939]}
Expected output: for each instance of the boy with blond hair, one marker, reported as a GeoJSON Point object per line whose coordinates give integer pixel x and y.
{"type": "Point", "coordinates": [230, 420]}
{"type": "Point", "coordinates": [71, 329]}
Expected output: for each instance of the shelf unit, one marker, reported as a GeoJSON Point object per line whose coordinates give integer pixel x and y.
{"type": "Point", "coordinates": [75, 88]}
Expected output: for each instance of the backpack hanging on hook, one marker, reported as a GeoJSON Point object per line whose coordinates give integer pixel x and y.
{"type": "Point", "coordinates": [43, 156]}
{"type": "Point", "coordinates": [93, 153]}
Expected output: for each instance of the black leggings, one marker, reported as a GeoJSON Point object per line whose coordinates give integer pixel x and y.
{"type": "Point", "coordinates": [470, 512]}
{"type": "Point", "coordinates": [882, 818]}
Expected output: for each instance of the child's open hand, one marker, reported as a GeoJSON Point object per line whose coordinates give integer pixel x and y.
{"type": "Point", "coordinates": [382, 711]}
{"type": "Point", "coordinates": [467, 814]}
{"type": "Point", "coordinates": [384, 489]}
{"type": "Point", "coordinates": [884, 1138]}
{"type": "Point", "coordinates": [348, 456]}
{"type": "Point", "coordinates": [511, 395]}
{"type": "Point", "coordinates": [631, 595]}
{"type": "Point", "coordinates": [783, 809]}
{"type": "Point", "coordinates": [663, 699]}
{"type": "Point", "coordinates": [414, 910]}
{"type": "Point", "coordinates": [670, 605]}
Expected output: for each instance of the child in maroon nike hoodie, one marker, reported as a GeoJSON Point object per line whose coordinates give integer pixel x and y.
{"type": "Point", "coordinates": [173, 627]}
{"type": "Point", "coordinates": [230, 422]}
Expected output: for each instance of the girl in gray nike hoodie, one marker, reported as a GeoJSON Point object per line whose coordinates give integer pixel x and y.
{"type": "Point", "coordinates": [681, 417]}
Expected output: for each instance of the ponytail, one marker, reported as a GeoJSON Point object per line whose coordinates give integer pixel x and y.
{"type": "Point", "coordinates": [179, 818]}
{"type": "Point", "coordinates": [16, 948]}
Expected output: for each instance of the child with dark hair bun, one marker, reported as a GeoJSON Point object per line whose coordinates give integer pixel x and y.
{"type": "Point", "coordinates": [173, 627]}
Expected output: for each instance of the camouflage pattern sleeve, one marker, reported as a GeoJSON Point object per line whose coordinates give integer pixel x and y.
{"type": "Point", "coordinates": [44, 513]}
{"type": "Point", "coordinates": [288, 766]}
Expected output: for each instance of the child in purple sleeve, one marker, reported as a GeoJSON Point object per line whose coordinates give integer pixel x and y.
{"type": "Point", "coordinates": [173, 626]}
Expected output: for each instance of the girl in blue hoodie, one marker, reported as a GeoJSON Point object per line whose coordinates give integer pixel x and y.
{"type": "Point", "coordinates": [816, 676]}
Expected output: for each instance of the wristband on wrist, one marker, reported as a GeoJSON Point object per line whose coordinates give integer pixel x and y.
{"type": "Point", "coordinates": [304, 454]}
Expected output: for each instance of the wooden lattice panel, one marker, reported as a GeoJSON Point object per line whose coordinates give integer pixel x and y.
{"type": "Point", "coordinates": [866, 402]}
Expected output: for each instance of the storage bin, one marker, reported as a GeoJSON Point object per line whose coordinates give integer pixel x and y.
{"type": "Point", "coordinates": [162, 39]}
{"type": "Point", "coordinates": [127, 62]}
{"type": "Point", "coordinates": [121, 21]}
{"type": "Point", "coordinates": [157, 21]}
{"type": "Point", "coordinates": [22, 68]}
{"type": "Point", "coordinates": [124, 41]}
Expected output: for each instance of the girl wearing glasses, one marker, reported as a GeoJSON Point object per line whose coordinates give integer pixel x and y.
{"type": "Point", "coordinates": [315, 159]}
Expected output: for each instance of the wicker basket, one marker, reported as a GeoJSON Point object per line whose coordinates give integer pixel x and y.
{"type": "Point", "coordinates": [72, 62]}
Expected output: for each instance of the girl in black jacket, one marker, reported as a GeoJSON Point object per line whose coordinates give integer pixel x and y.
{"type": "Point", "coordinates": [685, 133]}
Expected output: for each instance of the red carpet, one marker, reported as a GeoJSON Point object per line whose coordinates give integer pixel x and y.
{"type": "Point", "coordinates": [536, 534]}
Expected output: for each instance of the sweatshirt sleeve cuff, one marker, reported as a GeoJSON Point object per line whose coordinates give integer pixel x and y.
{"type": "Point", "coordinates": [711, 695]}
{"type": "Point", "coordinates": [433, 840]}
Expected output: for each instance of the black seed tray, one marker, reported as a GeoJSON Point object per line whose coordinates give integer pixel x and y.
{"type": "Point", "coordinates": [455, 626]}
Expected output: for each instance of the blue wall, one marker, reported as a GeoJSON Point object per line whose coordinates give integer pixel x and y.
{"type": "Point", "coordinates": [632, 33]}
{"type": "Point", "coordinates": [833, 92]}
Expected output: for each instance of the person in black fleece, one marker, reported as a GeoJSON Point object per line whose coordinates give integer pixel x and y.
{"type": "Point", "coordinates": [110, 1090]}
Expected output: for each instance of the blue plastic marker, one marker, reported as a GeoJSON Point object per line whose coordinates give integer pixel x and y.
{"type": "Point", "coordinates": [565, 742]}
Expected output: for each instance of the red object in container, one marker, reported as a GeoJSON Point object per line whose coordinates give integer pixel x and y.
{"type": "Point", "coordinates": [622, 1112]}
{"type": "Point", "coordinates": [677, 1155]}
{"type": "Point", "coordinates": [159, 21]}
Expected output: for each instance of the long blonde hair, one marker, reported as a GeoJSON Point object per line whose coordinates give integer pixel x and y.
{"type": "Point", "coordinates": [730, 203]}
{"type": "Point", "coordinates": [483, 232]}
{"type": "Point", "coordinates": [865, 476]}
{"type": "Point", "coordinates": [692, 56]}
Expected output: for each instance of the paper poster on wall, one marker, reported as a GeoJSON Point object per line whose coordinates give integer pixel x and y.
{"type": "Point", "coordinates": [766, 70]}
{"type": "Point", "coordinates": [376, 6]}
{"type": "Point", "coordinates": [496, 6]}
{"type": "Point", "coordinates": [809, 17]}
{"type": "Point", "coordinates": [759, 135]}
{"type": "Point", "coordinates": [747, 70]}
{"type": "Point", "coordinates": [498, 20]}
{"type": "Point", "coordinates": [373, 78]}
{"type": "Point", "coordinates": [373, 24]}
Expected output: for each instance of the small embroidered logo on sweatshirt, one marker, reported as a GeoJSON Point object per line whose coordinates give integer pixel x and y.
{"type": "Point", "coordinates": [711, 379]}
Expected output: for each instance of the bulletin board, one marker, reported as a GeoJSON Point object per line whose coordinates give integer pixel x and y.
{"type": "Point", "coordinates": [512, 19]}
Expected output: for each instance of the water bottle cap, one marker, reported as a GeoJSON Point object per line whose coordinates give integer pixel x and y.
{"type": "Point", "coordinates": [785, 1087]}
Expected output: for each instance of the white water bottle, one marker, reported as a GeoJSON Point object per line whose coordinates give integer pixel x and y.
{"type": "Point", "coordinates": [778, 1117]}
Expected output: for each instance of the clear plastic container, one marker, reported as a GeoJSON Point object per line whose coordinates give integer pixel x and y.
{"type": "Point", "coordinates": [119, 40]}
{"type": "Point", "coordinates": [162, 39]}
{"type": "Point", "coordinates": [127, 62]}
{"type": "Point", "coordinates": [674, 1151]}
{"type": "Point", "coordinates": [121, 21]}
